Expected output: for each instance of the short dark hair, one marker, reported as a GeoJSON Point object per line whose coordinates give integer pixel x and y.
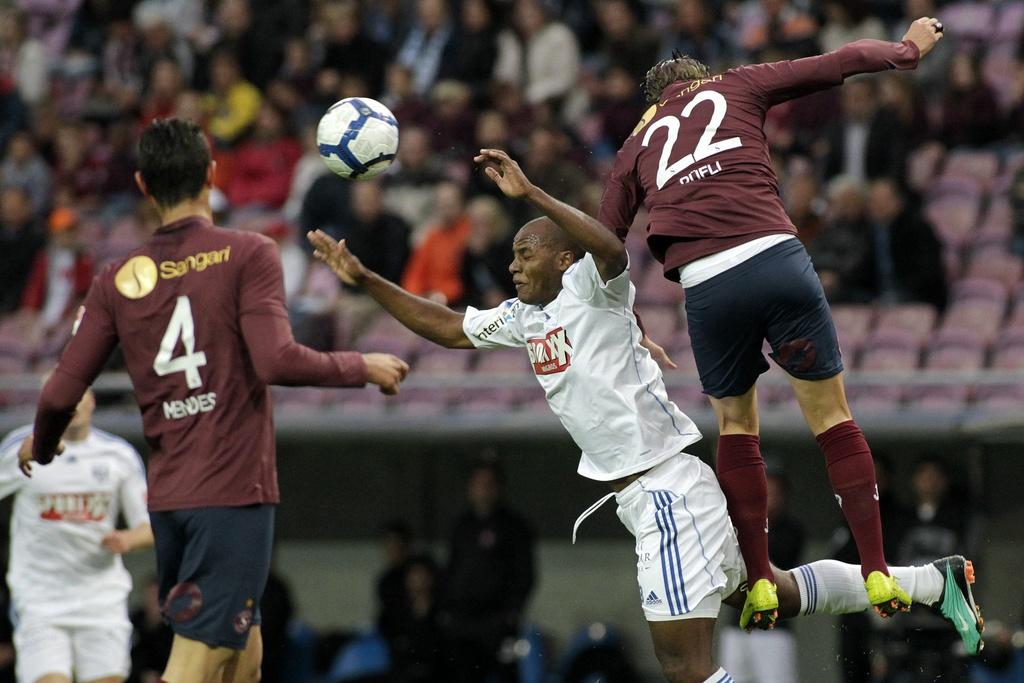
{"type": "Point", "coordinates": [173, 160]}
{"type": "Point", "coordinates": [679, 67]}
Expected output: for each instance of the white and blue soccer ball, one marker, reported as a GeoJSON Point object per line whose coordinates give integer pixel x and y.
{"type": "Point", "coordinates": [358, 138]}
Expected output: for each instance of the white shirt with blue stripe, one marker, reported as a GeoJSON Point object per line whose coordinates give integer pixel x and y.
{"type": "Point", "coordinates": [601, 383]}
{"type": "Point", "coordinates": [58, 565]}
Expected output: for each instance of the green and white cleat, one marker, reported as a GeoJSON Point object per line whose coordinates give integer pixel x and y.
{"type": "Point", "coordinates": [761, 609]}
{"type": "Point", "coordinates": [957, 604]}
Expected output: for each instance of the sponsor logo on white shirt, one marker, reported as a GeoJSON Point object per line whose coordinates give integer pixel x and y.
{"type": "Point", "coordinates": [550, 354]}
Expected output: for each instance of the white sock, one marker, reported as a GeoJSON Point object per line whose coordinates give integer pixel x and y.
{"type": "Point", "coordinates": [720, 676]}
{"type": "Point", "coordinates": [831, 587]}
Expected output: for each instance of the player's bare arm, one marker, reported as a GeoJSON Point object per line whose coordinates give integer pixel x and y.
{"type": "Point", "coordinates": [924, 33]}
{"type": "Point", "coordinates": [122, 541]}
{"type": "Point", "coordinates": [426, 318]}
{"type": "Point", "coordinates": [609, 253]}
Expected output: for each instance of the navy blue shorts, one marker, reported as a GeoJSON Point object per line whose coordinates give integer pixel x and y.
{"type": "Point", "coordinates": [212, 564]}
{"type": "Point", "coordinates": [775, 295]}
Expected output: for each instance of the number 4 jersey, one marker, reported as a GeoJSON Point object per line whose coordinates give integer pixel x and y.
{"type": "Point", "coordinates": [699, 161]}
{"type": "Point", "coordinates": [199, 314]}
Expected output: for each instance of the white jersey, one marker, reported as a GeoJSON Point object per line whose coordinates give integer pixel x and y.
{"type": "Point", "coordinates": [603, 385]}
{"type": "Point", "coordinates": [61, 514]}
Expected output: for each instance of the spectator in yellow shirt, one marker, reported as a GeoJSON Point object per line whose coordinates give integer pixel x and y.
{"type": "Point", "coordinates": [234, 103]}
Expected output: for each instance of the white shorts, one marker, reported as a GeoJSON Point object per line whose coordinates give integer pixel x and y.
{"type": "Point", "coordinates": [80, 650]}
{"type": "Point", "coordinates": [688, 559]}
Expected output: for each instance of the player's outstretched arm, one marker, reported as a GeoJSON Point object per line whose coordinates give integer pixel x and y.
{"type": "Point", "coordinates": [426, 318]}
{"type": "Point", "coordinates": [608, 251]}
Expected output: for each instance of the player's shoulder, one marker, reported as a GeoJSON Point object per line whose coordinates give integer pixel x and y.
{"type": "Point", "coordinates": [13, 438]}
{"type": "Point", "coordinates": [119, 448]}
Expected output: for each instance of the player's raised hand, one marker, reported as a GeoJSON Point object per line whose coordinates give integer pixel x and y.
{"type": "Point", "coordinates": [505, 172]}
{"type": "Point", "coordinates": [25, 459]}
{"type": "Point", "coordinates": [386, 371]}
{"type": "Point", "coordinates": [924, 33]}
{"type": "Point", "coordinates": [338, 258]}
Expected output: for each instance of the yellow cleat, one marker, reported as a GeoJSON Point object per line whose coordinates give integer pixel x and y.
{"type": "Point", "coordinates": [885, 595]}
{"type": "Point", "coordinates": [761, 609]}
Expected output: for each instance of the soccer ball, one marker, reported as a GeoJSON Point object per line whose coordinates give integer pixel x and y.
{"type": "Point", "coordinates": [357, 138]}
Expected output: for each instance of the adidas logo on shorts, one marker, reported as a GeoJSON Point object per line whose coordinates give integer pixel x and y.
{"type": "Point", "coordinates": [652, 600]}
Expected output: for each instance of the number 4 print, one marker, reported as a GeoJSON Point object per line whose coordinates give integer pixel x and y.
{"type": "Point", "coordinates": [705, 146]}
{"type": "Point", "coordinates": [180, 327]}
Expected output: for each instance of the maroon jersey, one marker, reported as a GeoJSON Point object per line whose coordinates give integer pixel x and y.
{"type": "Point", "coordinates": [199, 313]}
{"type": "Point", "coordinates": [699, 161]}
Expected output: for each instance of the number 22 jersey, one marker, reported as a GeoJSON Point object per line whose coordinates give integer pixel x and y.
{"type": "Point", "coordinates": [699, 160]}
{"type": "Point", "coordinates": [199, 314]}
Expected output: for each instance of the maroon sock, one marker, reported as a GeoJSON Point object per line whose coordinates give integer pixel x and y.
{"type": "Point", "coordinates": [852, 474]}
{"type": "Point", "coordinates": [742, 477]}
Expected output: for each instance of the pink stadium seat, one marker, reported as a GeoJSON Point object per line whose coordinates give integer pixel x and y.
{"type": "Point", "coordinates": [660, 322]}
{"type": "Point", "coordinates": [922, 165]}
{"type": "Point", "coordinates": [420, 401]}
{"type": "Point", "coordinates": [1010, 22]}
{"type": "Point", "coordinates": [955, 357]}
{"type": "Point", "coordinates": [653, 288]}
{"type": "Point", "coordinates": [1014, 162]}
{"type": "Point", "coordinates": [996, 265]}
{"type": "Point", "coordinates": [986, 290]}
{"type": "Point", "coordinates": [958, 184]}
{"type": "Point", "coordinates": [298, 399]}
{"type": "Point", "coordinates": [977, 316]}
{"type": "Point", "coordinates": [940, 398]}
{"type": "Point", "coordinates": [1012, 335]}
{"type": "Point", "coordinates": [953, 217]}
{"type": "Point", "coordinates": [885, 359]}
{"type": "Point", "coordinates": [917, 319]}
{"type": "Point", "coordinates": [969, 20]}
{"type": "Point", "coordinates": [997, 224]}
{"type": "Point", "coordinates": [977, 166]}
{"type": "Point", "coordinates": [875, 398]}
{"type": "Point", "coordinates": [852, 325]}
{"type": "Point", "coordinates": [1009, 358]}
{"type": "Point", "coordinates": [1000, 398]}
{"type": "Point", "coordinates": [401, 346]}
{"type": "Point", "coordinates": [959, 338]}
{"type": "Point", "coordinates": [442, 363]}
{"type": "Point", "coordinates": [893, 338]}
{"type": "Point", "coordinates": [998, 69]}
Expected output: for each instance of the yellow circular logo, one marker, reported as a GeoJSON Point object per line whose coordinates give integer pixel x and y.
{"type": "Point", "coordinates": [136, 278]}
{"type": "Point", "coordinates": [645, 119]}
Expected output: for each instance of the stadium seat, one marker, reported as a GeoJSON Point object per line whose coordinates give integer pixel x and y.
{"type": "Point", "coordinates": [940, 398]}
{"type": "Point", "coordinates": [969, 20]}
{"type": "Point", "coordinates": [1008, 358]}
{"type": "Point", "coordinates": [504, 362]}
{"type": "Point", "coordinates": [1009, 22]}
{"type": "Point", "coordinates": [653, 288]}
{"type": "Point", "coordinates": [997, 223]}
{"type": "Point", "coordinates": [885, 359]}
{"type": "Point", "coordinates": [957, 357]}
{"type": "Point", "coordinates": [998, 69]}
{"type": "Point", "coordinates": [1013, 333]}
{"type": "Point", "coordinates": [975, 166]}
{"type": "Point", "coordinates": [977, 316]}
{"type": "Point", "coordinates": [442, 362]}
{"type": "Point", "coordinates": [363, 657]}
{"type": "Point", "coordinates": [660, 322]}
{"type": "Point", "coordinates": [996, 265]}
{"type": "Point", "coordinates": [874, 398]}
{"type": "Point", "coordinates": [954, 217]}
{"type": "Point", "coordinates": [853, 323]}
{"type": "Point", "coordinates": [922, 165]}
{"type": "Point", "coordinates": [1000, 398]}
{"type": "Point", "coordinates": [916, 319]}
{"type": "Point", "coordinates": [969, 289]}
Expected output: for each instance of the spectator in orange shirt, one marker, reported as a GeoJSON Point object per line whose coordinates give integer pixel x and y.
{"type": "Point", "coordinates": [435, 269]}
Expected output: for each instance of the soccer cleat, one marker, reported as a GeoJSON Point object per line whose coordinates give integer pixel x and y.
{"type": "Point", "coordinates": [885, 594]}
{"type": "Point", "coordinates": [761, 608]}
{"type": "Point", "coordinates": [957, 604]}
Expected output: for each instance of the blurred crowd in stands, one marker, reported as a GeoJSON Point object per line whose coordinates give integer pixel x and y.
{"type": "Point", "coordinates": [901, 184]}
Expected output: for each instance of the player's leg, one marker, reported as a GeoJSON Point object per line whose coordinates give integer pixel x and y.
{"type": "Point", "coordinates": [102, 651]}
{"type": "Point", "coordinates": [804, 344]}
{"type": "Point", "coordinates": [214, 604]}
{"type": "Point", "coordinates": [44, 651]}
{"type": "Point", "coordinates": [245, 666]}
{"type": "Point", "coordinates": [726, 333]}
{"type": "Point", "coordinates": [683, 648]}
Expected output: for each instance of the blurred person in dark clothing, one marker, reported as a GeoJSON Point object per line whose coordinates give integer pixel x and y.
{"type": "Point", "coordinates": [410, 189]}
{"type": "Point", "coordinates": [327, 205]}
{"type": "Point", "coordinates": [392, 598]}
{"type": "Point", "coordinates": [867, 141]}
{"type": "Point", "coordinates": [485, 275]}
{"type": "Point", "coordinates": [841, 248]}
{"type": "Point", "coordinates": [618, 108]}
{"type": "Point", "coordinates": [475, 51]}
{"type": "Point", "coordinates": [20, 241]}
{"type": "Point", "coordinates": [904, 262]}
{"type": "Point", "coordinates": [857, 637]}
{"type": "Point", "coordinates": [276, 610]}
{"type": "Point", "coordinates": [1017, 209]}
{"type": "Point", "coordinates": [24, 166]}
{"type": "Point", "coordinates": [804, 204]}
{"type": "Point", "coordinates": [430, 44]}
{"type": "Point", "coordinates": [417, 646]}
{"type": "Point", "coordinates": [251, 34]}
{"type": "Point", "coordinates": [628, 43]}
{"type": "Point", "coordinates": [454, 119]}
{"type": "Point", "coordinates": [151, 643]}
{"type": "Point", "coordinates": [373, 234]}
{"type": "Point", "coordinates": [744, 653]}
{"type": "Point", "coordinates": [489, 578]}
{"type": "Point", "coordinates": [697, 34]}
{"type": "Point", "coordinates": [941, 521]}
{"type": "Point", "coordinates": [970, 112]}
{"type": "Point", "coordinates": [548, 167]}
{"type": "Point", "coordinates": [401, 98]}
{"type": "Point", "coordinates": [347, 49]}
